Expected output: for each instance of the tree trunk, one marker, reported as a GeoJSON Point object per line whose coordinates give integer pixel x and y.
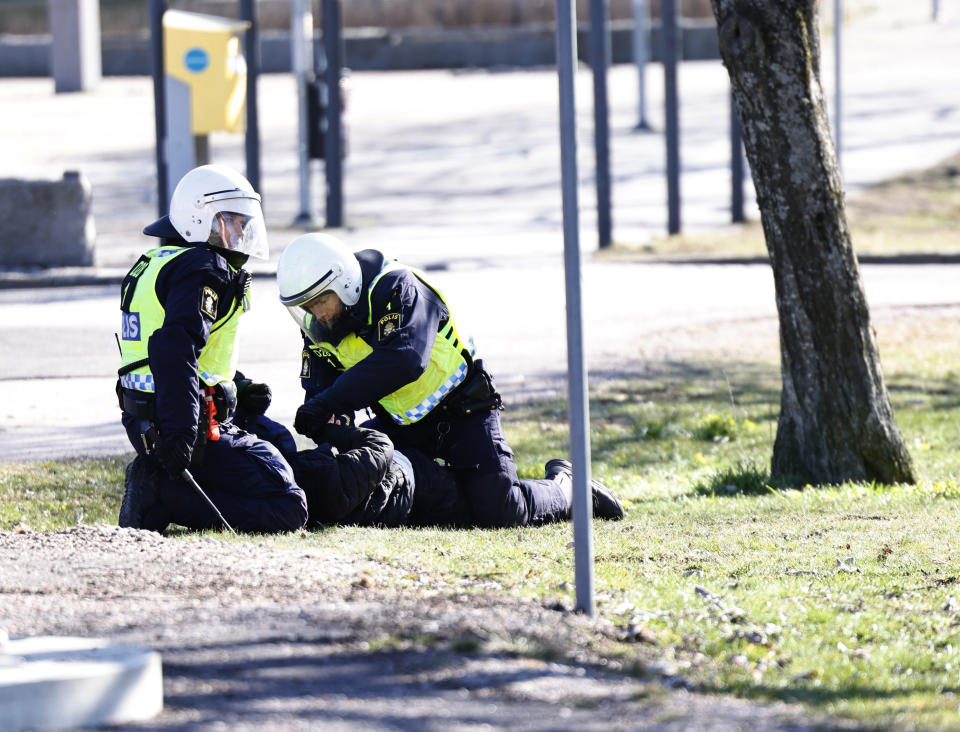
{"type": "Point", "coordinates": [836, 422]}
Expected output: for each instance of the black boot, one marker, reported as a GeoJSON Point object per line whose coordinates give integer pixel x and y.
{"type": "Point", "coordinates": [605, 504]}
{"type": "Point", "coordinates": [141, 508]}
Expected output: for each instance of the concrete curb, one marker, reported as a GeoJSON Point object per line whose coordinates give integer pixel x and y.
{"type": "Point", "coordinates": [49, 682]}
{"type": "Point", "coordinates": [20, 279]}
{"type": "Point", "coordinates": [95, 276]}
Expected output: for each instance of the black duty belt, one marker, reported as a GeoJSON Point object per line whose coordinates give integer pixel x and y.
{"type": "Point", "coordinates": [140, 404]}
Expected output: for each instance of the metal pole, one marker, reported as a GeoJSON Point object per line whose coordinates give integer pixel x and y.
{"type": "Point", "coordinates": [736, 165]}
{"type": "Point", "coordinates": [579, 406]}
{"type": "Point", "coordinates": [74, 44]}
{"type": "Point", "coordinates": [935, 13]}
{"type": "Point", "coordinates": [641, 30]}
{"type": "Point", "coordinates": [333, 147]}
{"type": "Point", "coordinates": [157, 9]}
{"type": "Point", "coordinates": [838, 48]}
{"type": "Point", "coordinates": [301, 34]}
{"type": "Point", "coordinates": [600, 61]}
{"type": "Point", "coordinates": [248, 12]}
{"type": "Point", "coordinates": [668, 24]}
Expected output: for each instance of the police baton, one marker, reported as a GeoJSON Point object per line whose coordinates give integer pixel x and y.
{"type": "Point", "coordinates": [193, 484]}
{"type": "Point", "coordinates": [149, 436]}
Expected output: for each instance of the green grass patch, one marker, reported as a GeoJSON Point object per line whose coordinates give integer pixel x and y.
{"type": "Point", "coordinates": [53, 495]}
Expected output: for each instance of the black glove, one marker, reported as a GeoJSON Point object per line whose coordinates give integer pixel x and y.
{"type": "Point", "coordinates": [311, 417]}
{"type": "Point", "coordinates": [253, 398]}
{"type": "Point", "coordinates": [174, 454]}
{"type": "Point", "coordinates": [336, 434]}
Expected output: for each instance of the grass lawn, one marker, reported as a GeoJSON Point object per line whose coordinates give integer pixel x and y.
{"type": "Point", "coordinates": [845, 598]}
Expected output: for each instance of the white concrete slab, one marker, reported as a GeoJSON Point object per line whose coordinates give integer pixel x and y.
{"type": "Point", "coordinates": [51, 682]}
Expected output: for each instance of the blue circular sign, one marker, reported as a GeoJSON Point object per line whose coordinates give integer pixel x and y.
{"type": "Point", "coordinates": [196, 60]}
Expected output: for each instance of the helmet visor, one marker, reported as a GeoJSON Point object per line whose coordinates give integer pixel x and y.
{"type": "Point", "coordinates": [237, 225]}
{"type": "Point", "coordinates": [316, 331]}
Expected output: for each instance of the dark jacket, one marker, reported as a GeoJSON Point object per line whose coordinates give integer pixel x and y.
{"type": "Point", "coordinates": [353, 479]}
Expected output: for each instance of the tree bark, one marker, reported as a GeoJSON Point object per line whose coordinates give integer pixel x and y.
{"type": "Point", "coordinates": [836, 422]}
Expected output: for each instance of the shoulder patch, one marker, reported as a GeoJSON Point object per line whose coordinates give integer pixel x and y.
{"type": "Point", "coordinates": [208, 303]}
{"type": "Point", "coordinates": [387, 324]}
{"type": "Point", "coordinates": [305, 364]}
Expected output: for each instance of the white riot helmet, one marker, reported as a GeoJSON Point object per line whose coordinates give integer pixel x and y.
{"type": "Point", "coordinates": [215, 205]}
{"type": "Point", "coordinates": [312, 265]}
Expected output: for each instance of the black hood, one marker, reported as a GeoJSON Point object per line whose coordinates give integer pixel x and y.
{"type": "Point", "coordinates": [371, 262]}
{"type": "Point", "coordinates": [163, 229]}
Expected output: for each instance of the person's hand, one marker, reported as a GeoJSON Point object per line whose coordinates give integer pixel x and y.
{"type": "Point", "coordinates": [336, 433]}
{"type": "Point", "coordinates": [253, 398]}
{"type": "Point", "coordinates": [174, 454]}
{"type": "Point", "coordinates": [311, 417]}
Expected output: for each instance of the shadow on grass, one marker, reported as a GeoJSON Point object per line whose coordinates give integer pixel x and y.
{"type": "Point", "coordinates": [677, 415]}
{"type": "Point", "coordinates": [738, 384]}
{"type": "Point", "coordinates": [693, 380]}
{"type": "Point", "coordinates": [939, 394]}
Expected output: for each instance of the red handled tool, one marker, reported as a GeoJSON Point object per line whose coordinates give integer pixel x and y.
{"type": "Point", "coordinates": [213, 427]}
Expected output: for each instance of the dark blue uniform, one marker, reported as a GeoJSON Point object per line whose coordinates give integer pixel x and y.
{"type": "Point", "coordinates": [246, 477]}
{"type": "Point", "coordinates": [472, 445]}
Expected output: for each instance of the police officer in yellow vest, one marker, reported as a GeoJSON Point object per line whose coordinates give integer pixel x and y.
{"type": "Point", "coordinates": [180, 307]}
{"type": "Point", "coordinates": [377, 334]}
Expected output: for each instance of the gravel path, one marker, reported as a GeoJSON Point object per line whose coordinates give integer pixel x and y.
{"type": "Point", "coordinates": [258, 637]}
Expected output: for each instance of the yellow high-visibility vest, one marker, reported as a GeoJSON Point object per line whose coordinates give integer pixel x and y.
{"type": "Point", "coordinates": [450, 360]}
{"type": "Point", "coordinates": [142, 314]}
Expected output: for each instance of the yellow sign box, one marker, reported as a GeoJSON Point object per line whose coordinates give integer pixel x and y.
{"type": "Point", "coordinates": [204, 52]}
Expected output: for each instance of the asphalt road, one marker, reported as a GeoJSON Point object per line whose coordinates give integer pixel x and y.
{"type": "Point", "coordinates": [57, 395]}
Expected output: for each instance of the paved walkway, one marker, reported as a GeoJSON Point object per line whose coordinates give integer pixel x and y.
{"type": "Point", "coordinates": [465, 166]}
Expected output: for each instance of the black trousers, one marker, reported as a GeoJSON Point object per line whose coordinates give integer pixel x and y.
{"type": "Point", "coordinates": [474, 447]}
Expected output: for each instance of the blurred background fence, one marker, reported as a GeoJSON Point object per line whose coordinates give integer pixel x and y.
{"type": "Point", "coordinates": [125, 17]}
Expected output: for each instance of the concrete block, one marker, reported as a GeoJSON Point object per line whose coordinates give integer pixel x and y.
{"type": "Point", "coordinates": [47, 223]}
{"type": "Point", "coordinates": [49, 682]}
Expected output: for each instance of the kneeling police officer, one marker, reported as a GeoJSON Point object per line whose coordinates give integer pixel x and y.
{"type": "Point", "coordinates": [378, 335]}
{"type": "Point", "coordinates": [181, 303]}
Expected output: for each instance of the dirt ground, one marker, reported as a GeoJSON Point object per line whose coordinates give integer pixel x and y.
{"type": "Point", "coordinates": [257, 637]}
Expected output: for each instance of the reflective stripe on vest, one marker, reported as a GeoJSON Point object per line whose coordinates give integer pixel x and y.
{"type": "Point", "coordinates": [218, 358]}
{"type": "Point", "coordinates": [446, 370]}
